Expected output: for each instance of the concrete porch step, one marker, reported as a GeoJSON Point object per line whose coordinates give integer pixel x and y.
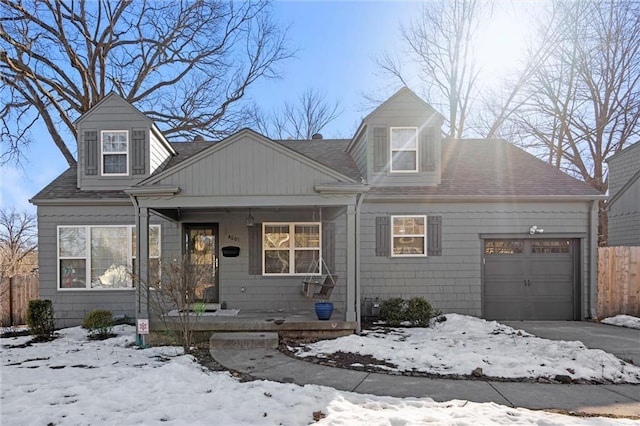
{"type": "Point", "coordinates": [243, 340]}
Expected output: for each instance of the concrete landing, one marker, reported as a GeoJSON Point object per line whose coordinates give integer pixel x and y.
{"type": "Point", "coordinates": [243, 340]}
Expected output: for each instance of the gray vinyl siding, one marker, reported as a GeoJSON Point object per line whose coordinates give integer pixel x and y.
{"type": "Point", "coordinates": [453, 280]}
{"type": "Point", "coordinates": [247, 167]}
{"type": "Point", "coordinates": [263, 292]}
{"type": "Point", "coordinates": [158, 155]}
{"type": "Point", "coordinates": [624, 213]}
{"type": "Point", "coordinates": [404, 110]}
{"type": "Point", "coordinates": [359, 153]}
{"type": "Point", "coordinates": [72, 305]}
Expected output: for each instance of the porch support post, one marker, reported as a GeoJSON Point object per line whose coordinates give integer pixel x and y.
{"type": "Point", "coordinates": [141, 270]}
{"type": "Point", "coordinates": [351, 263]}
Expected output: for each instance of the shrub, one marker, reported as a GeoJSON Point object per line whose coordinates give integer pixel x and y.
{"type": "Point", "coordinates": [391, 311]}
{"type": "Point", "coordinates": [417, 311]}
{"type": "Point", "coordinates": [99, 323]}
{"type": "Point", "coordinates": [40, 318]}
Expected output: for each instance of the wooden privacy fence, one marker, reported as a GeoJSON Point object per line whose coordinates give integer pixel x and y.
{"type": "Point", "coordinates": [618, 281]}
{"type": "Point", "coordinates": [15, 294]}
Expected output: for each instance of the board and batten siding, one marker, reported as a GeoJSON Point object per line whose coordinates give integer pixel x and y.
{"type": "Point", "coordinates": [247, 167]}
{"type": "Point", "coordinates": [453, 280]}
{"type": "Point", "coordinates": [71, 306]}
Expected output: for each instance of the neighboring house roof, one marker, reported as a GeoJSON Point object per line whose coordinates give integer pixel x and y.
{"type": "Point", "coordinates": [481, 168]}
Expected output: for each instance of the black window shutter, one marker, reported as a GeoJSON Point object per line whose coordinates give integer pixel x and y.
{"type": "Point", "coordinates": [383, 236]}
{"type": "Point", "coordinates": [139, 149]}
{"type": "Point", "coordinates": [434, 236]}
{"type": "Point", "coordinates": [380, 149]}
{"type": "Point", "coordinates": [329, 246]}
{"type": "Point", "coordinates": [428, 147]}
{"type": "Point", "coordinates": [255, 249]}
{"type": "Point", "coordinates": [91, 152]}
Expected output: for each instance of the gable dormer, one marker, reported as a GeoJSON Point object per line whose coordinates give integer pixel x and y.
{"type": "Point", "coordinates": [398, 144]}
{"type": "Point", "coordinates": [118, 146]}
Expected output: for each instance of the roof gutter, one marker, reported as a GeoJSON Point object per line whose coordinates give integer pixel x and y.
{"type": "Point", "coordinates": [342, 188]}
{"type": "Point", "coordinates": [153, 191]}
{"type": "Point", "coordinates": [480, 198]}
{"type": "Point", "coordinates": [81, 202]}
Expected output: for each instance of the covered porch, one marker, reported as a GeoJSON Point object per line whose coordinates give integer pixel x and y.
{"type": "Point", "coordinates": [270, 217]}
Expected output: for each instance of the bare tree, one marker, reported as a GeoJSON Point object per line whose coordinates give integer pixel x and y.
{"type": "Point", "coordinates": [186, 65]}
{"type": "Point", "coordinates": [583, 102]}
{"type": "Point", "coordinates": [174, 296]}
{"type": "Point", "coordinates": [441, 43]}
{"type": "Point", "coordinates": [301, 120]}
{"type": "Point", "coordinates": [18, 243]}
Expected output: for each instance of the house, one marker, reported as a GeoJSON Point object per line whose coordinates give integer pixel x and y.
{"type": "Point", "coordinates": [624, 202]}
{"type": "Point", "coordinates": [477, 227]}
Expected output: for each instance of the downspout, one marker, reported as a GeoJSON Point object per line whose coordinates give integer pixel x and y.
{"type": "Point", "coordinates": [593, 258]}
{"type": "Point", "coordinates": [360, 199]}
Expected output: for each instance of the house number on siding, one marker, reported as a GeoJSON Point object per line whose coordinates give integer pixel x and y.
{"type": "Point", "coordinates": [233, 238]}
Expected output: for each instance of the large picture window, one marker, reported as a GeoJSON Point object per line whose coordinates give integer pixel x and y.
{"type": "Point", "coordinates": [404, 149]}
{"type": "Point", "coordinates": [291, 248]}
{"type": "Point", "coordinates": [408, 236]}
{"type": "Point", "coordinates": [102, 257]}
{"type": "Point", "coordinates": [115, 152]}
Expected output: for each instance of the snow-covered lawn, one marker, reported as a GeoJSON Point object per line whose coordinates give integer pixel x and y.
{"type": "Point", "coordinates": [461, 344]}
{"type": "Point", "coordinates": [623, 321]}
{"type": "Point", "coordinates": [73, 381]}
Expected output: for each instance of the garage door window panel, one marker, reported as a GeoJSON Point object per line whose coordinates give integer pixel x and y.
{"type": "Point", "coordinates": [550, 246]}
{"type": "Point", "coordinates": [503, 247]}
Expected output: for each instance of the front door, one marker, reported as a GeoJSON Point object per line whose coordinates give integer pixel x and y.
{"type": "Point", "coordinates": [202, 248]}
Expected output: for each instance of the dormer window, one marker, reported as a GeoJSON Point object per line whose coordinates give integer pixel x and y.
{"type": "Point", "coordinates": [404, 149]}
{"type": "Point", "coordinates": [115, 152]}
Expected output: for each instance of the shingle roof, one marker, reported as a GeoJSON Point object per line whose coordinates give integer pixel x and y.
{"type": "Point", "coordinates": [481, 167]}
{"type": "Point", "coordinates": [470, 167]}
{"type": "Point", "coordinates": [65, 187]}
{"type": "Point", "coordinates": [329, 152]}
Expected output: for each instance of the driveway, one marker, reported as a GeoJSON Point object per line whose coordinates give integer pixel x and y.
{"type": "Point", "coordinates": [622, 342]}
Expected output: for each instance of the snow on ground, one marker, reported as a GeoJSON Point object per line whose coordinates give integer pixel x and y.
{"type": "Point", "coordinates": [623, 321]}
{"type": "Point", "coordinates": [72, 381]}
{"type": "Point", "coordinates": [462, 343]}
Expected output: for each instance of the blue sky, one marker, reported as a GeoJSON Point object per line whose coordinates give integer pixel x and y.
{"type": "Point", "coordinates": [336, 42]}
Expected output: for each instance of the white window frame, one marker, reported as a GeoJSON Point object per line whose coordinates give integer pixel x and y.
{"type": "Point", "coordinates": [392, 150]}
{"type": "Point", "coordinates": [87, 256]}
{"type": "Point", "coordinates": [424, 235]}
{"type": "Point", "coordinates": [102, 153]}
{"type": "Point", "coordinates": [292, 249]}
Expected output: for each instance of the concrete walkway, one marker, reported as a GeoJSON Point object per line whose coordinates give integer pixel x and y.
{"type": "Point", "coordinates": [270, 364]}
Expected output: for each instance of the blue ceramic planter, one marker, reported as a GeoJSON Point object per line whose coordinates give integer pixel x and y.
{"type": "Point", "coordinates": [324, 310]}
